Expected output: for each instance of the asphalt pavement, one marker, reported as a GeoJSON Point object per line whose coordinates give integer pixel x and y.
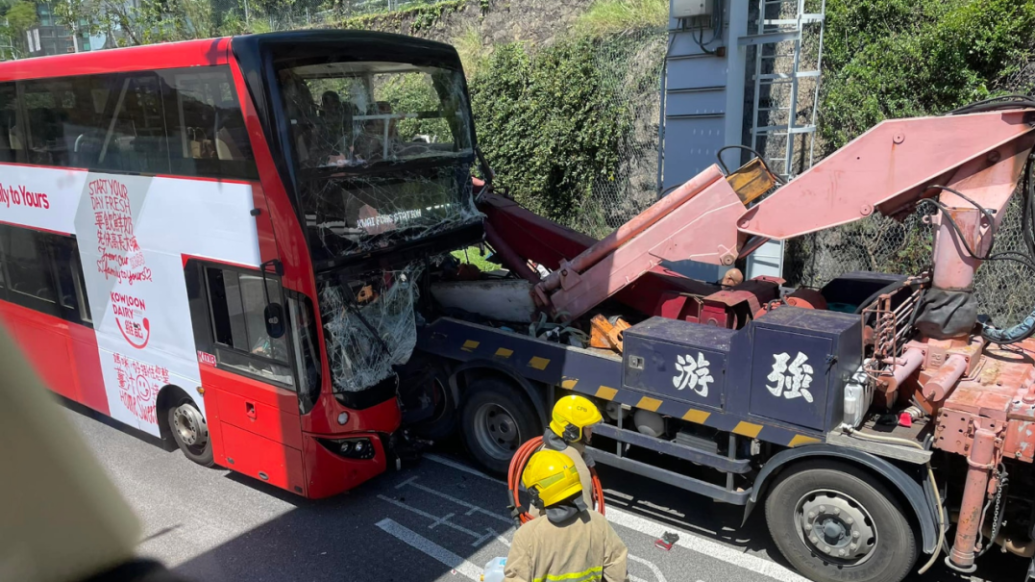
{"type": "Point", "coordinates": [439, 520]}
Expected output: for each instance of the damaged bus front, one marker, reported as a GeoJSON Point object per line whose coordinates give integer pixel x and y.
{"type": "Point", "coordinates": [383, 149]}
{"type": "Point", "coordinates": [364, 146]}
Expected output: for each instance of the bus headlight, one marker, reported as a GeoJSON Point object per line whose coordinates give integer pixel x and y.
{"type": "Point", "coordinates": [357, 448]}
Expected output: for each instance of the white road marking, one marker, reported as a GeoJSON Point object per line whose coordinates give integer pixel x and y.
{"type": "Point", "coordinates": [707, 547]}
{"type": "Point", "coordinates": [406, 482]}
{"type": "Point", "coordinates": [686, 540]}
{"type": "Point", "coordinates": [441, 520]}
{"type": "Point", "coordinates": [461, 467]}
{"type": "Point", "coordinates": [488, 534]}
{"type": "Point", "coordinates": [472, 508]}
{"type": "Point", "coordinates": [436, 520]}
{"type": "Point", "coordinates": [419, 542]}
{"type": "Point", "coordinates": [658, 576]}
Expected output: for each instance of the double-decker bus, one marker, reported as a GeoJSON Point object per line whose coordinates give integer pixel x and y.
{"type": "Point", "coordinates": [213, 241]}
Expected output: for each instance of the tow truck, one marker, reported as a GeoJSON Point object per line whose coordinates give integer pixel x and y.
{"type": "Point", "coordinates": [880, 420]}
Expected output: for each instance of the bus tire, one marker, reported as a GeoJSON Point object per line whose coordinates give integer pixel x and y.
{"type": "Point", "coordinates": [835, 522]}
{"type": "Point", "coordinates": [495, 420]}
{"type": "Point", "coordinates": [190, 431]}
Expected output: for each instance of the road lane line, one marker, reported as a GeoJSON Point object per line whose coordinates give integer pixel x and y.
{"type": "Point", "coordinates": [441, 520]}
{"type": "Point", "coordinates": [470, 506]}
{"type": "Point", "coordinates": [488, 534]}
{"type": "Point", "coordinates": [658, 576]}
{"type": "Point", "coordinates": [419, 542]}
{"type": "Point", "coordinates": [434, 518]}
{"type": "Point", "coordinates": [461, 467]}
{"type": "Point", "coordinates": [406, 482]}
{"type": "Point", "coordinates": [686, 540]}
{"type": "Point", "coordinates": [707, 547]}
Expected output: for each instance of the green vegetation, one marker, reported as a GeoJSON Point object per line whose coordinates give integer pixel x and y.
{"type": "Point", "coordinates": [419, 17]}
{"type": "Point", "coordinates": [473, 256]}
{"type": "Point", "coordinates": [548, 124]}
{"type": "Point", "coordinates": [469, 46]}
{"type": "Point", "coordinates": [609, 17]}
{"type": "Point", "coordinates": [899, 58]}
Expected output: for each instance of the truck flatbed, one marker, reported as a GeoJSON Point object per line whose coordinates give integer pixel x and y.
{"type": "Point", "coordinates": [594, 374]}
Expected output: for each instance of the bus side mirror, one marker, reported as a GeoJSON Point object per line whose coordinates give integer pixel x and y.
{"type": "Point", "coordinates": [274, 315]}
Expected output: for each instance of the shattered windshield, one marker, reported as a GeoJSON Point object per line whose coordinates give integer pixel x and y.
{"type": "Point", "coordinates": [369, 327]}
{"type": "Point", "coordinates": [384, 152]}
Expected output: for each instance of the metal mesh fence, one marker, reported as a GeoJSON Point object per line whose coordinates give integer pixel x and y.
{"type": "Point", "coordinates": [1005, 290]}
{"type": "Point", "coordinates": [631, 65]}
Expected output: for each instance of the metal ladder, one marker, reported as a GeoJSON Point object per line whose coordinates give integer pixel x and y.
{"type": "Point", "coordinates": [774, 128]}
{"type": "Point", "coordinates": [778, 97]}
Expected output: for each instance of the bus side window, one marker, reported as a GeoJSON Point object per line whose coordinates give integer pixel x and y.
{"type": "Point", "coordinates": [206, 128]}
{"type": "Point", "coordinates": [49, 107]}
{"type": "Point", "coordinates": [135, 136]}
{"type": "Point", "coordinates": [70, 278]}
{"type": "Point", "coordinates": [307, 352]}
{"type": "Point", "coordinates": [28, 264]}
{"type": "Point", "coordinates": [238, 325]}
{"type": "Point", "coordinates": [11, 140]}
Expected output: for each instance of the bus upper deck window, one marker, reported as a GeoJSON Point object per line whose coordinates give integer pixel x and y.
{"type": "Point", "coordinates": [206, 127]}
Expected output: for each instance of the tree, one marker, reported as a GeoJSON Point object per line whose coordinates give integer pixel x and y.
{"type": "Point", "coordinates": [21, 17]}
{"type": "Point", "coordinates": [903, 58]}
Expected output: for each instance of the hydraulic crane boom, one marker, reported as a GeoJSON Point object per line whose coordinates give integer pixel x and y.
{"type": "Point", "coordinates": [971, 163]}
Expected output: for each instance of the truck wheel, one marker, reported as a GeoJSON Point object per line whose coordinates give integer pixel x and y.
{"type": "Point", "coordinates": [496, 419]}
{"type": "Point", "coordinates": [190, 431]}
{"type": "Point", "coordinates": [429, 408]}
{"type": "Point", "coordinates": [835, 523]}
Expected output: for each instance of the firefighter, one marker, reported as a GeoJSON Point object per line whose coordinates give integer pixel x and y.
{"type": "Point", "coordinates": [573, 542]}
{"type": "Point", "coordinates": [569, 432]}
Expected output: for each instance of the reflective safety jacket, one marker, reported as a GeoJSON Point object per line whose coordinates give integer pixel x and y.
{"type": "Point", "coordinates": [584, 548]}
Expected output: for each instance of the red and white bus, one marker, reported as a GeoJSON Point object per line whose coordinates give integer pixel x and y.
{"type": "Point", "coordinates": [175, 219]}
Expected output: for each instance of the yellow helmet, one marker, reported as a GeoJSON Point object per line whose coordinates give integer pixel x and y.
{"type": "Point", "coordinates": [550, 477]}
{"type": "Point", "coordinates": [571, 414]}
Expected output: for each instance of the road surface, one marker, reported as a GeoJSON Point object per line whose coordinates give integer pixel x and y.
{"type": "Point", "coordinates": [437, 521]}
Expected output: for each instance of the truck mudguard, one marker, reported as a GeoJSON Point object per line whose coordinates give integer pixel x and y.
{"type": "Point", "coordinates": [479, 364]}
{"type": "Point", "coordinates": [914, 493]}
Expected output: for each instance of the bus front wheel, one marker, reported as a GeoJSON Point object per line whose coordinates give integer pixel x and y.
{"type": "Point", "coordinates": [190, 431]}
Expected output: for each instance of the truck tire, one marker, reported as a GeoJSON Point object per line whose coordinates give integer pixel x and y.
{"type": "Point", "coordinates": [190, 431]}
{"type": "Point", "coordinates": [835, 522]}
{"type": "Point", "coordinates": [424, 390]}
{"type": "Point", "coordinates": [496, 419]}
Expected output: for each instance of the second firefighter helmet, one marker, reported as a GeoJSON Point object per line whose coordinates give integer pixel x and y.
{"type": "Point", "coordinates": [571, 415]}
{"type": "Point", "coordinates": [551, 477]}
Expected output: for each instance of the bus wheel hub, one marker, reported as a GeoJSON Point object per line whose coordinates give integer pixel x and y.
{"type": "Point", "coordinates": [189, 425]}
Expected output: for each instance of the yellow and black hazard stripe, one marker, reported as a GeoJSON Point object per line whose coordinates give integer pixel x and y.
{"type": "Point", "coordinates": [585, 372]}
{"type": "Point", "coordinates": [717, 420]}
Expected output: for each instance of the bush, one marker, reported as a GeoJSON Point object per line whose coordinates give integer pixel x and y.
{"type": "Point", "coordinates": [548, 124]}
{"type": "Point", "coordinates": [900, 58]}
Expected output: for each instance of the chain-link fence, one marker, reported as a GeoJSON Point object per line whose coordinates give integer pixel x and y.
{"type": "Point", "coordinates": [631, 64]}
{"type": "Point", "coordinates": [1005, 290]}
